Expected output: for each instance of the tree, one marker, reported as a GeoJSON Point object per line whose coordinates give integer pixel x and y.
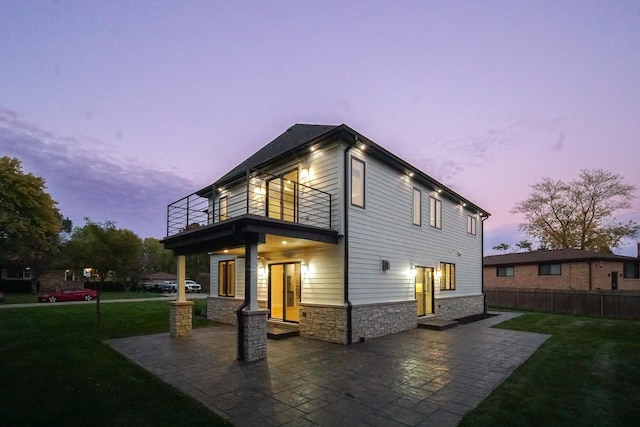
{"type": "Point", "coordinates": [110, 251]}
{"type": "Point", "coordinates": [30, 223]}
{"type": "Point", "coordinates": [525, 245]}
{"type": "Point", "coordinates": [579, 214]}
{"type": "Point", "coordinates": [29, 219]}
{"type": "Point", "coordinates": [502, 247]}
{"type": "Point", "coordinates": [156, 258]}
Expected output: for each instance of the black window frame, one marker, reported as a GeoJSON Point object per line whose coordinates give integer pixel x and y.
{"type": "Point", "coordinates": [413, 211]}
{"type": "Point", "coordinates": [545, 269]}
{"type": "Point", "coordinates": [447, 276]}
{"type": "Point", "coordinates": [435, 213]}
{"type": "Point", "coordinates": [364, 182]}
{"type": "Point", "coordinates": [505, 269]}
{"type": "Point", "coordinates": [228, 283]}
{"type": "Point", "coordinates": [472, 225]}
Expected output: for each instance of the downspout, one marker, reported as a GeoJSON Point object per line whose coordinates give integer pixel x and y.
{"type": "Point", "coordinates": [346, 243]}
{"type": "Point", "coordinates": [247, 293]}
{"type": "Point", "coordinates": [484, 297]}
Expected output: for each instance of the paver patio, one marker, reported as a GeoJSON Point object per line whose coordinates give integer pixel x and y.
{"type": "Point", "coordinates": [418, 377]}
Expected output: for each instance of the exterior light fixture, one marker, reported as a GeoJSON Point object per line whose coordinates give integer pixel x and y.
{"type": "Point", "coordinates": [284, 242]}
{"type": "Point", "coordinates": [305, 175]}
{"type": "Point", "coordinates": [411, 174]}
{"type": "Point", "coordinates": [438, 191]}
{"type": "Point", "coordinates": [305, 270]}
{"type": "Point", "coordinates": [362, 146]}
{"type": "Point", "coordinates": [226, 251]}
{"type": "Point", "coordinates": [312, 148]}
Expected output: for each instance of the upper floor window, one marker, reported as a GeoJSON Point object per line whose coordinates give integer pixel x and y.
{"type": "Point", "coordinates": [417, 207]}
{"type": "Point", "coordinates": [447, 276]}
{"type": "Point", "coordinates": [631, 270]}
{"type": "Point", "coordinates": [224, 208]}
{"type": "Point", "coordinates": [435, 213]}
{"type": "Point", "coordinates": [472, 223]}
{"type": "Point", "coordinates": [357, 182]}
{"type": "Point", "coordinates": [506, 271]}
{"type": "Point", "coordinates": [226, 278]}
{"type": "Point", "coordinates": [549, 270]}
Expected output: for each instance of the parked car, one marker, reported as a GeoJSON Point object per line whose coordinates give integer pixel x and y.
{"type": "Point", "coordinates": [68, 295]}
{"type": "Point", "coordinates": [1, 297]}
{"type": "Point", "coordinates": [167, 286]}
{"type": "Point", "coordinates": [192, 286]}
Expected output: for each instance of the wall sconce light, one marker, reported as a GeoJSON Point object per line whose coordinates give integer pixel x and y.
{"type": "Point", "coordinates": [305, 270]}
{"type": "Point", "coordinates": [362, 146]}
{"type": "Point", "coordinates": [305, 175]}
{"type": "Point", "coordinates": [261, 271]}
{"type": "Point", "coordinates": [437, 275]}
{"type": "Point", "coordinates": [413, 271]}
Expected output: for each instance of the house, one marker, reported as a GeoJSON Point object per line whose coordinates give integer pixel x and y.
{"type": "Point", "coordinates": [326, 229]}
{"type": "Point", "coordinates": [562, 269]}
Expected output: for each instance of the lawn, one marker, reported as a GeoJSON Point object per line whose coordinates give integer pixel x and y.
{"type": "Point", "coordinates": [56, 370]}
{"type": "Point", "coordinates": [30, 298]}
{"type": "Point", "coordinates": [587, 373]}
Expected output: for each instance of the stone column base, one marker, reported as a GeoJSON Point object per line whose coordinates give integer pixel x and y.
{"type": "Point", "coordinates": [180, 318]}
{"type": "Point", "coordinates": [254, 342]}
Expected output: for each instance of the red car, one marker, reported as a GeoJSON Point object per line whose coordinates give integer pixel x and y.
{"type": "Point", "coordinates": [69, 295]}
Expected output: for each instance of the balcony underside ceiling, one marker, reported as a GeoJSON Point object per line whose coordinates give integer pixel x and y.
{"type": "Point", "coordinates": [246, 229]}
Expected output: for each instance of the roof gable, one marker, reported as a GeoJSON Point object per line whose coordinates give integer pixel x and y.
{"type": "Point", "coordinates": [296, 136]}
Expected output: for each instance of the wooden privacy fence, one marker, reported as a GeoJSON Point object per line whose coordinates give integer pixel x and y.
{"type": "Point", "coordinates": [611, 304]}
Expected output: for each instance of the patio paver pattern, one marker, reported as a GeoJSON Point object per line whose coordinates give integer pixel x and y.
{"type": "Point", "coordinates": [417, 378]}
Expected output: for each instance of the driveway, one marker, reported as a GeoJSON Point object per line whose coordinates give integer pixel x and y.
{"type": "Point", "coordinates": [416, 378]}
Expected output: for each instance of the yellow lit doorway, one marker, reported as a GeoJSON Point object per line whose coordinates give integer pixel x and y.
{"type": "Point", "coordinates": [284, 291]}
{"type": "Point", "coordinates": [424, 290]}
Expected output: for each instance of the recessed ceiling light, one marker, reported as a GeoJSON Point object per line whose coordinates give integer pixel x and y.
{"type": "Point", "coordinates": [284, 242]}
{"type": "Point", "coordinates": [226, 251]}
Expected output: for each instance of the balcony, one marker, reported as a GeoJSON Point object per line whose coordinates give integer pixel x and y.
{"type": "Point", "coordinates": [261, 204]}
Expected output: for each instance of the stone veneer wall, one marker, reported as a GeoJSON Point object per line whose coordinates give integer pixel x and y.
{"type": "Point", "coordinates": [180, 318]}
{"type": "Point", "coordinates": [324, 322]}
{"type": "Point", "coordinates": [223, 310]}
{"type": "Point", "coordinates": [255, 335]}
{"type": "Point", "coordinates": [376, 320]}
{"type": "Point", "coordinates": [454, 308]}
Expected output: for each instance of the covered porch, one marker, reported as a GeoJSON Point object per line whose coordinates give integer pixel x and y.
{"type": "Point", "coordinates": [248, 227]}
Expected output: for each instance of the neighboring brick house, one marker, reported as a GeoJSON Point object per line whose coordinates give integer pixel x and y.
{"type": "Point", "coordinates": [562, 269]}
{"type": "Point", "coordinates": [326, 229]}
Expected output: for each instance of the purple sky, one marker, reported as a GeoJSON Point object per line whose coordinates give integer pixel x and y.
{"type": "Point", "coordinates": [124, 107]}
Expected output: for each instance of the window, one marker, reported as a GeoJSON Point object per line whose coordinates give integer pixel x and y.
{"type": "Point", "coordinates": [226, 278]}
{"type": "Point", "coordinates": [16, 273]}
{"type": "Point", "coordinates": [549, 270]}
{"type": "Point", "coordinates": [224, 213]}
{"type": "Point", "coordinates": [357, 182]}
{"type": "Point", "coordinates": [435, 213]}
{"type": "Point", "coordinates": [631, 270]}
{"type": "Point", "coordinates": [506, 271]}
{"type": "Point", "coordinates": [447, 276]}
{"type": "Point", "coordinates": [471, 224]}
{"type": "Point", "coordinates": [417, 207]}
{"type": "Point", "coordinates": [69, 276]}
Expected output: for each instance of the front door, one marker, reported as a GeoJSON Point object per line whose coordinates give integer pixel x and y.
{"type": "Point", "coordinates": [424, 290]}
{"type": "Point", "coordinates": [614, 280]}
{"type": "Point", "coordinates": [284, 291]}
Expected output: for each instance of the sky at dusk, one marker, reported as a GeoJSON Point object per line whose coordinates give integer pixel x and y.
{"type": "Point", "coordinates": [124, 107]}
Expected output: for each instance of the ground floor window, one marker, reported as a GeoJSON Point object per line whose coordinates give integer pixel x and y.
{"type": "Point", "coordinates": [226, 278]}
{"type": "Point", "coordinates": [631, 270]}
{"type": "Point", "coordinates": [506, 271]}
{"type": "Point", "coordinates": [549, 270]}
{"type": "Point", "coordinates": [16, 273]}
{"type": "Point", "coordinates": [447, 276]}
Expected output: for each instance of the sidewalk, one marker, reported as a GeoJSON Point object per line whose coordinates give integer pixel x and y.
{"type": "Point", "coordinates": [417, 378]}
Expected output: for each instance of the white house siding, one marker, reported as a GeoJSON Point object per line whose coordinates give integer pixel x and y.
{"type": "Point", "coordinates": [384, 230]}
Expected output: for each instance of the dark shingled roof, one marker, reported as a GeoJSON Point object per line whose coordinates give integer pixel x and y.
{"type": "Point", "coordinates": [558, 255]}
{"type": "Point", "coordinates": [296, 136]}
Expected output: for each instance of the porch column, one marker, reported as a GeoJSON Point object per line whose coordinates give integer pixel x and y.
{"type": "Point", "coordinates": [180, 311]}
{"type": "Point", "coordinates": [252, 333]}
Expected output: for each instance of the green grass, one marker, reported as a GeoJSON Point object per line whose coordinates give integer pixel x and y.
{"type": "Point", "coordinates": [56, 369]}
{"type": "Point", "coordinates": [587, 373]}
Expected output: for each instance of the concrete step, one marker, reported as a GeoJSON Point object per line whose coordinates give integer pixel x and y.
{"type": "Point", "coordinates": [279, 332]}
{"type": "Point", "coordinates": [437, 324]}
